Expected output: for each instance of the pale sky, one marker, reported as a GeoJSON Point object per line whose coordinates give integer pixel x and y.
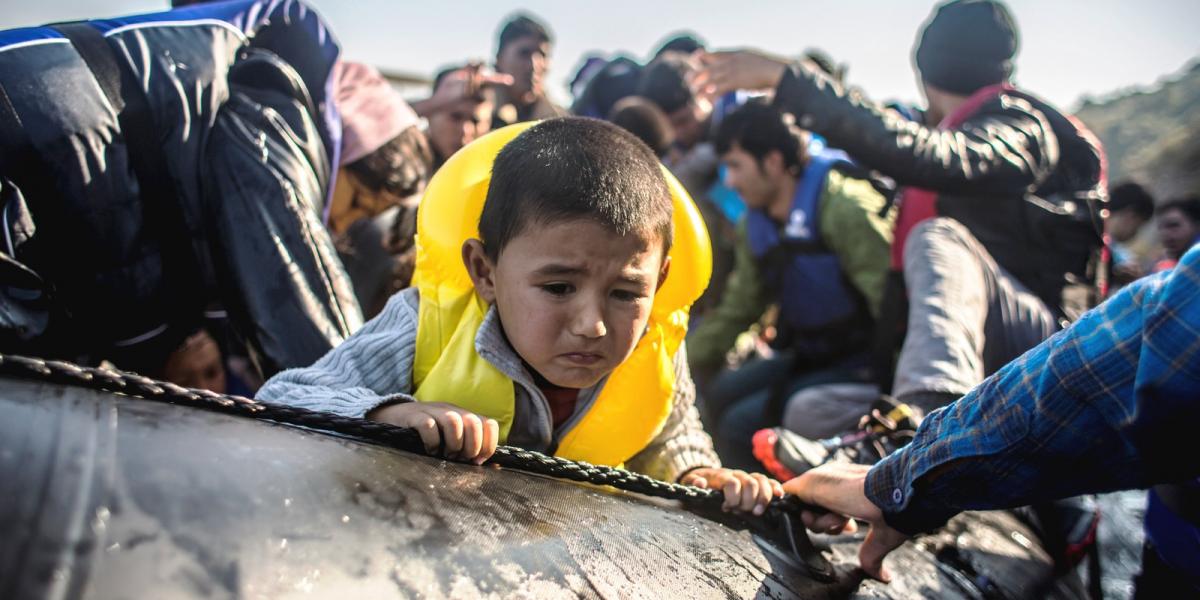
{"type": "Point", "coordinates": [1068, 48]}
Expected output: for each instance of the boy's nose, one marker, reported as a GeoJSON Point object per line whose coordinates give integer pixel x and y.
{"type": "Point", "coordinates": [588, 322]}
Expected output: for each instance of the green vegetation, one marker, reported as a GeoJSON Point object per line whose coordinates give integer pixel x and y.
{"type": "Point", "coordinates": [1152, 136]}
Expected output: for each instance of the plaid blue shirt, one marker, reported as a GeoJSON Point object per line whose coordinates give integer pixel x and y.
{"type": "Point", "coordinates": [1106, 404]}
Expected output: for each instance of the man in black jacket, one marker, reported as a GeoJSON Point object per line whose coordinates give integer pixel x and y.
{"type": "Point", "coordinates": [1006, 250]}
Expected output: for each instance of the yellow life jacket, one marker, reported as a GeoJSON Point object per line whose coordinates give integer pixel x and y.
{"type": "Point", "coordinates": [636, 398]}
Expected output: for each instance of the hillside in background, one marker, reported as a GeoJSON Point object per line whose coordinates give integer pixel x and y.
{"type": "Point", "coordinates": [1152, 136]}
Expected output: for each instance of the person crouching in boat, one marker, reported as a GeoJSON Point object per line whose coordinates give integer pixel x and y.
{"type": "Point", "coordinates": [541, 314]}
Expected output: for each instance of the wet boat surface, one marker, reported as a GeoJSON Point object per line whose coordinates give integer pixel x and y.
{"type": "Point", "coordinates": [104, 495]}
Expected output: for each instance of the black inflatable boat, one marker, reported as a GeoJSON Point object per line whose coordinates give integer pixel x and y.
{"type": "Point", "coordinates": [146, 493]}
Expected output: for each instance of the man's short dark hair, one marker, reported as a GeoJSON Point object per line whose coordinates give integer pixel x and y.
{"type": "Point", "coordinates": [1131, 196]}
{"type": "Point", "coordinates": [523, 26]}
{"type": "Point", "coordinates": [758, 128]}
{"type": "Point", "coordinates": [575, 168]}
{"type": "Point", "coordinates": [1188, 205]}
{"type": "Point", "coordinates": [644, 119]}
{"type": "Point", "coordinates": [664, 82]}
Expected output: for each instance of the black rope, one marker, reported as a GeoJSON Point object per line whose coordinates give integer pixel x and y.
{"type": "Point", "coordinates": [781, 513]}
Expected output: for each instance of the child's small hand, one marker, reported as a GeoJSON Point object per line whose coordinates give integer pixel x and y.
{"type": "Point", "coordinates": [464, 435]}
{"type": "Point", "coordinates": [746, 492]}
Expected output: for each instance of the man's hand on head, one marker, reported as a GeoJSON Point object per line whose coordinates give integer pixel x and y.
{"type": "Point", "coordinates": [729, 71]}
{"type": "Point", "coordinates": [841, 488]}
{"type": "Point", "coordinates": [469, 80]}
{"type": "Point", "coordinates": [462, 85]}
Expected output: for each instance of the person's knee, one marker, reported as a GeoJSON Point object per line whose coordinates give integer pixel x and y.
{"type": "Point", "coordinates": [941, 248]}
{"type": "Point", "coordinates": [829, 409]}
{"type": "Point", "coordinates": [938, 232]}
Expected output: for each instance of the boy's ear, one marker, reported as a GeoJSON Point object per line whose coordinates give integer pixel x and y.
{"type": "Point", "coordinates": [662, 272]}
{"type": "Point", "coordinates": [480, 268]}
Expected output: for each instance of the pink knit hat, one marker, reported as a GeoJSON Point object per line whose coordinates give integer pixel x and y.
{"type": "Point", "coordinates": [372, 111]}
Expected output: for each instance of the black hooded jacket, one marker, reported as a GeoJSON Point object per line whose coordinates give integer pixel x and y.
{"type": "Point", "coordinates": [153, 166]}
{"type": "Point", "coordinates": [1025, 179]}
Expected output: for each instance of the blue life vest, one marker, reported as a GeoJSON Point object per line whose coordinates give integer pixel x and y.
{"type": "Point", "coordinates": [820, 312]}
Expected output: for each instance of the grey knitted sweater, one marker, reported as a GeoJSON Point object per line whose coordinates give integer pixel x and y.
{"type": "Point", "coordinates": [374, 367]}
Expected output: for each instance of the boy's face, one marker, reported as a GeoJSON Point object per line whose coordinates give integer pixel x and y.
{"type": "Point", "coordinates": [574, 298]}
{"type": "Point", "coordinates": [197, 364]}
{"type": "Point", "coordinates": [1177, 232]}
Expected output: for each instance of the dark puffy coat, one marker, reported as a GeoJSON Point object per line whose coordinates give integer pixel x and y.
{"type": "Point", "coordinates": [203, 183]}
{"type": "Point", "coordinates": [1027, 180]}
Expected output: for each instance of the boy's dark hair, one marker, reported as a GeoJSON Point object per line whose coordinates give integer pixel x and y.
{"type": "Point", "coordinates": [399, 167]}
{"type": "Point", "coordinates": [575, 168]}
{"type": "Point", "coordinates": [1188, 205]}
{"type": "Point", "coordinates": [1131, 196]}
{"type": "Point", "coordinates": [664, 82]}
{"type": "Point", "coordinates": [759, 128]}
{"type": "Point", "coordinates": [522, 26]}
{"type": "Point", "coordinates": [644, 119]}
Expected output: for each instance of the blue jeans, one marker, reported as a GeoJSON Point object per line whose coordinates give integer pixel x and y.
{"type": "Point", "coordinates": [737, 403]}
{"type": "Point", "coordinates": [967, 316]}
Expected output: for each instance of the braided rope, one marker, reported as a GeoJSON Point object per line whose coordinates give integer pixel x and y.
{"type": "Point", "coordinates": [135, 385]}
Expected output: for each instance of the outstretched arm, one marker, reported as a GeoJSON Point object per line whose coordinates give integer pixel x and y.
{"type": "Point", "coordinates": [1000, 154]}
{"type": "Point", "coordinates": [372, 367]}
{"type": "Point", "coordinates": [1095, 408]}
{"type": "Point", "coordinates": [462, 85]}
{"type": "Point", "coordinates": [370, 376]}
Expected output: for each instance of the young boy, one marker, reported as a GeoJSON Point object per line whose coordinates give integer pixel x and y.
{"type": "Point", "coordinates": [556, 339]}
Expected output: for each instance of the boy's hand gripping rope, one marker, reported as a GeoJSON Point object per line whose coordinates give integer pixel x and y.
{"type": "Point", "coordinates": [782, 514]}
